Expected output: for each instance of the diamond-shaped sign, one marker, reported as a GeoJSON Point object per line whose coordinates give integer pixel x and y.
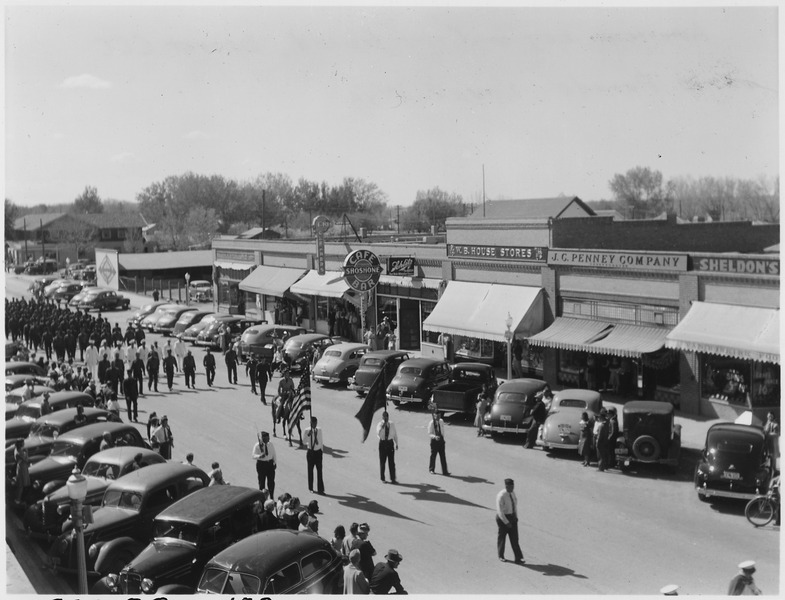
{"type": "Point", "coordinates": [107, 270]}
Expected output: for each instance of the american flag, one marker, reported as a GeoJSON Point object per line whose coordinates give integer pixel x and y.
{"type": "Point", "coordinates": [302, 400]}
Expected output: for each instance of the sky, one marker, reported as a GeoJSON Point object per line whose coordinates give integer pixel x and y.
{"type": "Point", "coordinates": [547, 100]}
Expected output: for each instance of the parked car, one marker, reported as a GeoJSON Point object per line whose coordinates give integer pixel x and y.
{"type": "Point", "coordinates": [147, 309]}
{"type": "Point", "coordinates": [67, 291]}
{"type": "Point", "coordinates": [48, 514]}
{"type": "Point", "coordinates": [101, 299]}
{"type": "Point", "coordinates": [185, 536]}
{"type": "Point", "coordinates": [260, 340]}
{"type": "Point", "coordinates": [30, 410]}
{"type": "Point", "coordinates": [151, 319]}
{"type": "Point", "coordinates": [40, 283]}
{"type": "Point", "coordinates": [126, 515]}
{"type": "Point", "coordinates": [192, 332]}
{"type": "Point", "coordinates": [339, 362]}
{"type": "Point", "coordinates": [649, 434]}
{"type": "Point", "coordinates": [200, 290]}
{"type": "Point", "coordinates": [209, 336]}
{"type": "Point", "coordinates": [13, 382]}
{"type": "Point", "coordinates": [511, 409]}
{"type": "Point", "coordinates": [42, 267]}
{"type": "Point", "coordinates": [81, 295]}
{"type": "Point", "coordinates": [296, 348]}
{"type": "Point", "coordinates": [737, 462]}
{"type": "Point", "coordinates": [372, 364]}
{"type": "Point", "coordinates": [562, 429]}
{"type": "Point", "coordinates": [15, 398]}
{"type": "Point", "coordinates": [274, 562]}
{"type": "Point", "coordinates": [50, 289]}
{"type": "Point", "coordinates": [18, 367]}
{"type": "Point", "coordinates": [74, 448]}
{"type": "Point", "coordinates": [189, 318]}
{"type": "Point", "coordinates": [166, 322]}
{"type": "Point", "coordinates": [416, 379]}
{"type": "Point", "coordinates": [464, 385]}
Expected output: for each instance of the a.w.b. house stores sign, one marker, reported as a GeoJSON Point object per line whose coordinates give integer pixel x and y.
{"type": "Point", "coordinates": [517, 253]}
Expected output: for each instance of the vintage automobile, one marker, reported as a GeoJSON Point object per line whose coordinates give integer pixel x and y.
{"type": "Point", "coordinates": [460, 392]}
{"type": "Point", "coordinates": [339, 362]}
{"type": "Point", "coordinates": [189, 318]}
{"type": "Point", "coordinates": [185, 536]}
{"type": "Point", "coordinates": [15, 398]}
{"type": "Point", "coordinates": [38, 284]}
{"type": "Point", "coordinates": [126, 513]}
{"type": "Point", "coordinates": [649, 434]}
{"type": "Point", "coordinates": [297, 347]}
{"type": "Point", "coordinates": [18, 367]}
{"type": "Point", "coordinates": [372, 364]}
{"type": "Point", "coordinates": [30, 410]}
{"type": "Point", "coordinates": [210, 335]}
{"type": "Point", "coordinates": [511, 410]}
{"type": "Point", "coordinates": [67, 291]}
{"type": "Point", "coordinates": [200, 290]}
{"type": "Point", "coordinates": [148, 322]}
{"type": "Point", "coordinates": [42, 267]}
{"type": "Point", "coordinates": [416, 379]}
{"type": "Point", "coordinates": [48, 515]}
{"type": "Point", "coordinates": [81, 295]}
{"type": "Point", "coordinates": [49, 290]}
{"type": "Point", "coordinates": [192, 331]}
{"type": "Point", "coordinates": [147, 309]}
{"type": "Point", "coordinates": [737, 462]}
{"type": "Point", "coordinates": [260, 340]}
{"type": "Point", "coordinates": [101, 299]}
{"type": "Point", "coordinates": [274, 562]}
{"type": "Point", "coordinates": [73, 449]}
{"type": "Point", "coordinates": [561, 429]}
{"type": "Point", "coordinates": [166, 322]}
{"type": "Point", "coordinates": [13, 382]}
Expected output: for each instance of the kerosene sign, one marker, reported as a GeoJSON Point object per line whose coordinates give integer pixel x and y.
{"type": "Point", "coordinates": [361, 270]}
{"type": "Point", "coordinates": [401, 265]}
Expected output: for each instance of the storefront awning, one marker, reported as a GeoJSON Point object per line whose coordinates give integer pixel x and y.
{"type": "Point", "coordinates": [480, 309]}
{"type": "Point", "coordinates": [271, 281]}
{"type": "Point", "coordinates": [600, 337]}
{"type": "Point", "coordinates": [744, 332]}
{"type": "Point", "coordinates": [330, 285]}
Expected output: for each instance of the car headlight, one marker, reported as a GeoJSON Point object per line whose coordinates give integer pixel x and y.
{"type": "Point", "coordinates": [36, 485]}
{"type": "Point", "coordinates": [111, 580]}
{"type": "Point", "coordinates": [147, 585]}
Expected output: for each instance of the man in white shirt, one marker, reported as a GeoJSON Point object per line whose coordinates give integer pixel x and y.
{"type": "Point", "coordinates": [315, 444]}
{"type": "Point", "coordinates": [266, 463]}
{"type": "Point", "coordinates": [388, 444]}
{"type": "Point", "coordinates": [507, 521]}
{"type": "Point", "coordinates": [436, 429]}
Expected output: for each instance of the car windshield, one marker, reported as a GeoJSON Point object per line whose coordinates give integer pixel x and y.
{"type": "Point", "coordinates": [123, 499]}
{"type": "Point", "coordinates": [511, 398]}
{"type": "Point", "coordinates": [212, 581]}
{"type": "Point", "coordinates": [188, 532]}
{"type": "Point", "coordinates": [373, 362]}
{"type": "Point", "coordinates": [463, 374]}
{"type": "Point", "coordinates": [333, 353]}
{"type": "Point", "coordinates": [292, 344]}
{"type": "Point", "coordinates": [734, 447]}
{"type": "Point", "coordinates": [32, 411]}
{"type": "Point", "coordinates": [44, 430]}
{"type": "Point", "coordinates": [242, 583]}
{"type": "Point", "coordinates": [172, 312]}
{"type": "Point", "coordinates": [66, 448]}
{"type": "Point", "coordinates": [572, 403]}
{"type": "Point", "coordinates": [101, 469]}
{"type": "Point", "coordinates": [413, 371]}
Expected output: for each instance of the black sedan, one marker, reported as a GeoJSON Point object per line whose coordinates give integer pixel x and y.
{"type": "Point", "coordinates": [511, 411]}
{"type": "Point", "coordinates": [415, 380]}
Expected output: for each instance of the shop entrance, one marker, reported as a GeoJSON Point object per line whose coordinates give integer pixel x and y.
{"type": "Point", "coordinates": [409, 325]}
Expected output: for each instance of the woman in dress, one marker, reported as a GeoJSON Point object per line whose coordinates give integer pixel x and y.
{"type": "Point", "coordinates": [482, 407]}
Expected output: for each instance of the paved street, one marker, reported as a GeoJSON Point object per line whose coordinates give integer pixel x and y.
{"type": "Point", "coordinates": [582, 531]}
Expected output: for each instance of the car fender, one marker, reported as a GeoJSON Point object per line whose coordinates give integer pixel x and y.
{"type": "Point", "coordinates": [112, 548]}
{"type": "Point", "coordinates": [174, 588]}
{"type": "Point", "coordinates": [52, 486]}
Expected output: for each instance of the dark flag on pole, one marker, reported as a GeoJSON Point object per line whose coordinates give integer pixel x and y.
{"type": "Point", "coordinates": [375, 400]}
{"type": "Point", "coordinates": [302, 399]}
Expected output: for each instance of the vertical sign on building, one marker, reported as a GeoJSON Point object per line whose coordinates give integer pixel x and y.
{"type": "Point", "coordinates": [320, 226]}
{"type": "Point", "coordinates": [107, 268]}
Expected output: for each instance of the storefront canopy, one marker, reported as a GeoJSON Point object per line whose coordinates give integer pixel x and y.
{"type": "Point", "coordinates": [271, 281]}
{"type": "Point", "coordinates": [600, 337]}
{"type": "Point", "coordinates": [329, 285]}
{"type": "Point", "coordinates": [480, 310]}
{"type": "Point", "coordinates": [744, 332]}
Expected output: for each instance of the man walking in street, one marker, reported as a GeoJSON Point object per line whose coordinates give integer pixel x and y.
{"type": "Point", "coordinates": [153, 366]}
{"type": "Point", "coordinates": [138, 371]}
{"type": "Point", "coordinates": [507, 521]}
{"type": "Point", "coordinates": [250, 371]}
{"type": "Point", "coordinates": [189, 368]}
{"type": "Point", "coordinates": [264, 454]}
{"type": "Point", "coordinates": [314, 455]}
{"type": "Point", "coordinates": [170, 366]}
{"type": "Point", "coordinates": [131, 391]}
{"type": "Point", "coordinates": [209, 367]}
{"type": "Point", "coordinates": [436, 428]}
{"type": "Point", "coordinates": [388, 444]}
{"type": "Point", "coordinates": [262, 377]}
{"type": "Point", "coordinates": [231, 364]}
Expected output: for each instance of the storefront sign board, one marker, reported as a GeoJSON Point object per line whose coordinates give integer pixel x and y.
{"type": "Point", "coordinates": [401, 265]}
{"type": "Point", "coordinates": [516, 253]}
{"type": "Point", "coordinates": [750, 266]}
{"type": "Point", "coordinates": [361, 270]}
{"type": "Point", "coordinates": [644, 261]}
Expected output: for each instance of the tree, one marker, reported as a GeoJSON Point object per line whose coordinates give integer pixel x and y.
{"type": "Point", "coordinates": [88, 201]}
{"type": "Point", "coordinates": [199, 227]}
{"type": "Point", "coordinates": [11, 215]}
{"type": "Point", "coordinates": [726, 199]}
{"type": "Point", "coordinates": [641, 193]}
{"type": "Point", "coordinates": [432, 208]}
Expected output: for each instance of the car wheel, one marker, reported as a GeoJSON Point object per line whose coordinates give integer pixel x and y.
{"type": "Point", "coordinates": [396, 402]}
{"type": "Point", "coordinates": [646, 449]}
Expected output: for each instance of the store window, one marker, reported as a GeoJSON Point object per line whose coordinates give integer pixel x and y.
{"type": "Point", "coordinates": [322, 308]}
{"type": "Point", "coordinates": [741, 382]}
{"type": "Point", "coordinates": [429, 337]}
{"type": "Point", "coordinates": [387, 307]}
{"type": "Point", "coordinates": [469, 348]}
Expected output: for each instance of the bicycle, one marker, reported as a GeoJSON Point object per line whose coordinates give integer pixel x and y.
{"type": "Point", "coordinates": [761, 510]}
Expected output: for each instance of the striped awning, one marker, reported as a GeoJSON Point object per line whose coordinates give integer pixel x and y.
{"type": "Point", "coordinates": [330, 285]}
{"type": "Point", "coordinates": [271, 281]}
{"type": "Point", "coordinates": [570, 334]}
{"type": "Point", "coordinates": [600, 337]}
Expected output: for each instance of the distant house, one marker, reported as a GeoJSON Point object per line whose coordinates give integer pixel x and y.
{"type": "Point", "coordinates": [535, 208]}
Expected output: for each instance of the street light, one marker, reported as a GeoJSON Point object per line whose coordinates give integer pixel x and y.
{"type": "Point", "coordinates": [77, 491]}
{"type": "Point", "coordinates": [187, 289]}
{"type": "Point", "coordinates": [508, 337]}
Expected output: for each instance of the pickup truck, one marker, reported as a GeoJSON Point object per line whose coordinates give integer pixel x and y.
{"type": "Point", "coordinates": [460, 392]}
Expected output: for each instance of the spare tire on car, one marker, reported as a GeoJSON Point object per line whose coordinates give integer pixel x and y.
{"type": "Point", "coordinates": [646, 448]}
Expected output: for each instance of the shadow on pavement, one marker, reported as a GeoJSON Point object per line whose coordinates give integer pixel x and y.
{"type": "Point", "coordinates": [551, 570]}
{"type": "Point", "coordinates": [366, 504]}
{"type": "Point", "coordinates": [335, 452]}
{"type": "Point", "coordinates": [433, 493]}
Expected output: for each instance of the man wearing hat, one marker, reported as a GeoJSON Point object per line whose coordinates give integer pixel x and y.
{"type": "Point", "coordinates": [507, 521]}
{"type": "Point", "coordinates": [266, 463]}
{"type": "Point", "coordinates": [385, 577]}
{"type": "Point", "coordinates": [743, 584]}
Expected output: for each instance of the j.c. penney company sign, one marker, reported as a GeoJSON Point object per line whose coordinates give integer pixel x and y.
{"type": "Point", "coordinates": [618, 260]}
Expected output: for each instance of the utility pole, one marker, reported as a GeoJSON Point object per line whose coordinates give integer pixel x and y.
{"type": "Point", "coordinates": [399, 219]}
{"type": "Point", "coordinates": [483, 190]}
{"type": "Point", "coordinates": [24, 221]}
{"type": "Point", "coordinates": [263, 203]}
{"type": "Point", "coordinates": [43, 247]}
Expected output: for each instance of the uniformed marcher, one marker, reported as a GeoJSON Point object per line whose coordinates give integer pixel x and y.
{"type": "Point", "coordinates": [189, 368]}
{"type": "Point", "coordinates": [264, 454]}
{"type": "Point", "coordinates": [314, 455]}
{"type": "Point", "coordinates": [250, 371]}
{"type": "Point", "coordinates": [209, 367]}
{"type": "Point", "coordinates": [153, 367]}
{"type": "Point", "coordinates": [170, 366]}
{"type": "Point", "coordinates": [436, 429]}
{"type": "Point", "coordinates": [388, 444]}
{"type": "Point", "coordinates": [131, 391]}
{"type": "Point", "coordinates": [507, 521]}
{"type": "Point", "coordinates": [138, 372]}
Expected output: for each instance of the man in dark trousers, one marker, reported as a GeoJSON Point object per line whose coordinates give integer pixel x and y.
{"type": "Point", "coordinates": [507, 521]}
{"type": "Point", "coordinates": [315, 444]}
{"type": "Point", "coordinates": [138, 372]}
{"type": "Point", "coordinates": [153, 367]}
{"type": "Point", "coordinates": [388, 444]}
{"type": "Point", "coordinates": [119, 368]}
{"type": "Point", "coordinates": [262, 377]}
{"type": "Point", "coordinates": [436, 429]}
{"type": "Point", "coordinates": [114, 377]}
{"type": "Point", "coordinates": [231, 364]}
{"type": "Point", "coordinates": [209, 367]}
{"type": "Point", "coordinates": [250, 371]}
{"type": "Point", "coordinates": [131, 391]}
{"type": "Point", "coordinates": [170, 366]}
{"type": "Point", "coordinates": [189, 368]}
{"type": "Point", "coordinates": [264, 454]}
